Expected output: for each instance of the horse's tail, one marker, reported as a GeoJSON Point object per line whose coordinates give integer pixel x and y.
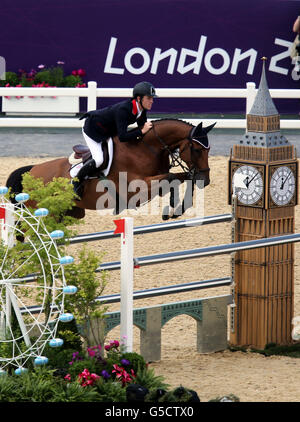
{"type": "Point", "coordinates": [14, 180]}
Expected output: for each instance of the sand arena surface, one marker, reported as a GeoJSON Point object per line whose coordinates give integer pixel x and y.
{"type": "Point", "coordinates": [249, 376]}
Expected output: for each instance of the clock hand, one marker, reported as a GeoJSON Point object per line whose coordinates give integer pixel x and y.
{"type": "Point", "coordinates": [283, 182]}
{"type": "Point", "coordinates": [249, 181]}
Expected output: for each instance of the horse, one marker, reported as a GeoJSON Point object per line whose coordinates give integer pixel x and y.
{"type": "Point", "coordinates": [147, 160]}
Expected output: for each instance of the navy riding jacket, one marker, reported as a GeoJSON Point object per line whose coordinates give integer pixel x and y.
{"type": "Point", "coordinates": [114, 120]}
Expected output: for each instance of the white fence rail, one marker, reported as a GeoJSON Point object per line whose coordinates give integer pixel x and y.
{"type": "Point", "coordinates": [92, 92]}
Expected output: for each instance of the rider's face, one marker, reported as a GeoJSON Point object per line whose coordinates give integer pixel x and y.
{"type": "Point", "coordinates": [147, 102]}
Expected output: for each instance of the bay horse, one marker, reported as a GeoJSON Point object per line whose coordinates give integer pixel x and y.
{"type": "Point", "coordinates": [147, 160]}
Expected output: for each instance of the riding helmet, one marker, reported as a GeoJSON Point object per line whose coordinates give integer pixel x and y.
{"type": "Point", "coordinates": [144, 88]}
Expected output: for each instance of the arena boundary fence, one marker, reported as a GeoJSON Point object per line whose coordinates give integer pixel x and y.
{"type": "Point", "coordinates": [210, 313]}
{"type": "Point", "coordinates": [114, 318]}
{"type": "Point", "coordinates": [126, 265]}
{"type": "Point", "coordinates": [92, 92]}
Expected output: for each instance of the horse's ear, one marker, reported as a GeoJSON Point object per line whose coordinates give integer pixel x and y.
{"type": "Point", "coordinates": [208, 128]}
{"type": "Point", "coordinates": [197, 131]}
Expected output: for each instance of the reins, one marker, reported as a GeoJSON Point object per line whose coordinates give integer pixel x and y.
{"type": "Point", "coordinates": [175, 156]}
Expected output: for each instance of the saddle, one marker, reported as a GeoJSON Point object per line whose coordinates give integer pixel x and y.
{"type": "Point", "coordinates": [82, 152]}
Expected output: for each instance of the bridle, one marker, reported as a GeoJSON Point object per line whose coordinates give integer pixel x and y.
{"type": "Point", "coordinates": [175, 159]}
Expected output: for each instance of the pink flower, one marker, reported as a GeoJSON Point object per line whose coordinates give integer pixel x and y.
{"type": "Point", "coordinates": [60, 62]}
{"type": "Point", "coordinates": [91, 352]}
{"type": "Point", "coordinates": [68, 377]}
{"type": "Point", "coordinates": [74, 72]}
{"type": "Point", "coordinates": [41, 66]}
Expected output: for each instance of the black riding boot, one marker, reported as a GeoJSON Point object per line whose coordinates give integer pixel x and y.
{"type": "Point", "coordinates": [87, 168]}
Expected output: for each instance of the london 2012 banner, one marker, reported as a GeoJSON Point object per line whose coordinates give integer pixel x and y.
{"type": "Point", "coordinates": [171, 43]}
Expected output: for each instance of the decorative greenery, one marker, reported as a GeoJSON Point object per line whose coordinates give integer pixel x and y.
{"type": "Point", "coordinates": [112, 363]}
{"type": "Point", "coordinates": [178, 394]}
{"type": "Point", "coordinates": [58, 197]}
{"type": "Point", "coordinates": [43, 76]}
{"type": "Point", "coordinates": [292, 350]}
{"type": "Point", "coordinates": [39, 385]}
{"type": "Point", "coordinates": [90, 285]}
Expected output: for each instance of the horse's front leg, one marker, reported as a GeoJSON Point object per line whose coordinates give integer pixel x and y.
{"type": "Point", "coordinates": [178, 208]}
{"type": "Point", "coordinates": [163, 185]}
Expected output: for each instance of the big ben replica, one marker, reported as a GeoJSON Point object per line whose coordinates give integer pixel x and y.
{"type": "Point", "coordinates": [265, 207]}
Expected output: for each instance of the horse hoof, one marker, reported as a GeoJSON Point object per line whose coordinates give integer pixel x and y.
{"type": "Point", "coordinates": [166, 213]}
{"type": "Point", "coordinates": [177, 213]}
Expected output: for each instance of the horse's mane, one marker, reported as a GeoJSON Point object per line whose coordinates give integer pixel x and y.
{"type": "Point", "coordinates": [166, 119]}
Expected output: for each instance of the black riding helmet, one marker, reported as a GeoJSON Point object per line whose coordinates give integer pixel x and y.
{"type": "Point", "coordinates": [144, 88]}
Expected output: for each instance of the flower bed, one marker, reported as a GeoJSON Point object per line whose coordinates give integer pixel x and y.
{"type": "Point", "coordinates": [44, 77]}
{"type": "Point", "coordinates": [116, 376]}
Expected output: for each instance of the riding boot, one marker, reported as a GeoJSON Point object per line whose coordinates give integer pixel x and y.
{"type": "Point", "coordinates": [85, 170]}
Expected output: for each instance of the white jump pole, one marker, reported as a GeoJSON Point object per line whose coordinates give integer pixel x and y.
{"type": "Point", "coordinates": [125, 227]}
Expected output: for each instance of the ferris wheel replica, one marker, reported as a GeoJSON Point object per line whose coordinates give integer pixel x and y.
{"type": "Point", "coordinates": [31, 304]}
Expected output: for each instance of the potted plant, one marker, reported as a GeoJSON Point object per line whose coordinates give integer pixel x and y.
{"type": "Point", "coordinates": [45, 77]}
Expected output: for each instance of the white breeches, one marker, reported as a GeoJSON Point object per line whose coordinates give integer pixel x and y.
{"type": "Point", "coordinates": [95, 148]}
{"type": "Point", "coordinates": [97, 154]}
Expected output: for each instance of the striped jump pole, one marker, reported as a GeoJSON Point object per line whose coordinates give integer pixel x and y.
{"type": "Point", "coordinates": [7, 238]}
{"type": "Point", "coordinates": [124, 226]}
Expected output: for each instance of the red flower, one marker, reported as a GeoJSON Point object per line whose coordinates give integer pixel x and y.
{"type": "Point", "coordinates": [86, 378]}
{"type": "Point", "coordinates": [123, 375]}
{"type": "Point", "coordinates": [81, 72]}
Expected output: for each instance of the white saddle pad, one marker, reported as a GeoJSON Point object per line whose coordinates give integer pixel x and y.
{"type": "Point", "coordinates": [77, 166]}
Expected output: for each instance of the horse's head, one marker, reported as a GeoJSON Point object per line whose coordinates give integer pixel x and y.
{"type": "Point", "coordinates": [194, 152]}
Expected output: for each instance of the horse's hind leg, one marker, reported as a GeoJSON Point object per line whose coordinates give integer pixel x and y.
{"type": "Point", "coordinates": [14, 180]}
{"type": "Point", "coordinates": [76, 212]}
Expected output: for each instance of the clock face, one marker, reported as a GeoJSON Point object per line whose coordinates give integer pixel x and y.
{"type": "Point", "coordinates": [283, 185]}
{"type": "Point", "coordinates": [253, 180]}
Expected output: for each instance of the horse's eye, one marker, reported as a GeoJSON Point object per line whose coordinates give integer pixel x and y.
{"type": "Point", "coordinates": [198, 151]}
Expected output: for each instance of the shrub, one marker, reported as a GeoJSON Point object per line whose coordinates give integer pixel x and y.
{"type": "Point", "coordinates": [137, 362]}
{"type": "Point", "coordinates": [110, 391]}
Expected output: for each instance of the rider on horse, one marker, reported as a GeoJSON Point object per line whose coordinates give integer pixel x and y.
{"type": "Point", "coordinates": [100, 125]}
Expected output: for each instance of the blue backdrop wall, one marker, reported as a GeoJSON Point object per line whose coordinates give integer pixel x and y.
{"type": "Point", "coordinates": [172, 43]}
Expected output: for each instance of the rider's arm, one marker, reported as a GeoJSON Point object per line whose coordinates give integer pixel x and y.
{"type": "Point", "coordinates": [122, 127]}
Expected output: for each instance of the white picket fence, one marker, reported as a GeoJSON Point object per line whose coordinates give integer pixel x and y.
{"type": "Point", "coordinates": [92, 92]}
